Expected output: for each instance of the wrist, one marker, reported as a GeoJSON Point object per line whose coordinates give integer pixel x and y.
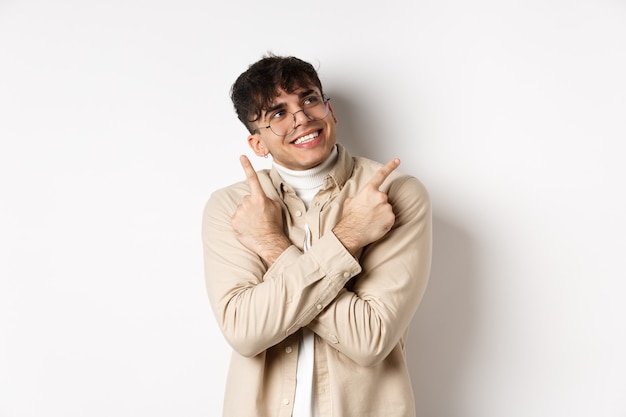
{"type": "Point", "coordinates": [273, 247]}
{"type": "Point", "coordinates": [347, 239]}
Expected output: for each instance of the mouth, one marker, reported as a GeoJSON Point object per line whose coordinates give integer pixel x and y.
{"type": "Point", "coordinates": [306, 138]}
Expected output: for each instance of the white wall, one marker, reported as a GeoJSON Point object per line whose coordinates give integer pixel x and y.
{"type": "Point", "coordinates": [115, 126]}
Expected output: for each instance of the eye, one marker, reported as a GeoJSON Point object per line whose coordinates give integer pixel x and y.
{"type": "Point", "coordinates": [312, 100]}
{"type": "Point", "coordinates": [277, 115]}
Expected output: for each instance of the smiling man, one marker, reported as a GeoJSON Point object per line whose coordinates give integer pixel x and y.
{"type": "Point", "coordinates": [303, 127]}
{"type": "Point", "coordinates": [314, 268]}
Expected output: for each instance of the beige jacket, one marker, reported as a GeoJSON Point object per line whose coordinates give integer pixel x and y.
{"type": "Point", "coordinates": [359, 307]}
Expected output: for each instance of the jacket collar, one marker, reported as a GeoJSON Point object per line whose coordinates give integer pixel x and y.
{"type": "Point", "coordinates": [337, 176]}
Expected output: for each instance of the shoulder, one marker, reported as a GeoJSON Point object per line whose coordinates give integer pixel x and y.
{"type": "Point", "coordinates": [397, 182]}
{"type": "Point", "coordinates": [229, 197]}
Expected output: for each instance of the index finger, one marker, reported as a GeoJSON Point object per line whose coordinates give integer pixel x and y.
{"type": "Point", "coordinates": [382, 174]}
{"type": "Point", "coordinates": [253, 179]}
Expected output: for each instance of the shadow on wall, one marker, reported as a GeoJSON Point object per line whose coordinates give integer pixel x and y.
{"type": "Point", "coordinates": [443, 327]}
{"type": "Point", "coordinates": [356, 128]}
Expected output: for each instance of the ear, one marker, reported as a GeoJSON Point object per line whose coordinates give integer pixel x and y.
{"type": "Point", "coordinates": [256, 144]}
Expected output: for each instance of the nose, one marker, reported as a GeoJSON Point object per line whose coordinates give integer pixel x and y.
{"type": "Point", "coordinates": [303, 119]}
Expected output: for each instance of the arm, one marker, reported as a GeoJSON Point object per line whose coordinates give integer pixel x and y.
{"type": "Point", "coordinates": [366, 321]}
{"type": "Point", "coordinates": [258, 306]}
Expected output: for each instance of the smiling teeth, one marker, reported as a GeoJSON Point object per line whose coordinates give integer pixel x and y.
{"type": "Point", "coordinates": [305, 139]}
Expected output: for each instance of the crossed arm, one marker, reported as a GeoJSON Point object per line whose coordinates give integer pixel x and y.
{"type": "Point", "coordinates": [259, 303]}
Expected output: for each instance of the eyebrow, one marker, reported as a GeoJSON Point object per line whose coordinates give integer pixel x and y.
{"type": "Point", "coordinates": [277, 106]}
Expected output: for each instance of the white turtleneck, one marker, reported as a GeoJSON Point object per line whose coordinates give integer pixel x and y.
{"type": "Point", "coordinates": [306, 184]}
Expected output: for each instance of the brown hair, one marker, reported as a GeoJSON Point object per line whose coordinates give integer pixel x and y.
{"type": "Point", "coordinates": [256, 88]}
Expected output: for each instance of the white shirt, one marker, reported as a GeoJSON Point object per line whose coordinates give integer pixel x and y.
{"type": "Point", "coordinates": [306, 184]}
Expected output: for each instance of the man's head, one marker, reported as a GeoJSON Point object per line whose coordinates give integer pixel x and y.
{"type": "Point", "coordinates": [256, 88]}
{"type": "Point", "coordinates": [281, 102]}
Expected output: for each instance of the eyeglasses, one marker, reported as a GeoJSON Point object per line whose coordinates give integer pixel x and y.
{"type": "Point", "coordinates": [313, 107]}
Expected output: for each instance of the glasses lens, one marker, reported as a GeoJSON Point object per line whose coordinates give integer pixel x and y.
{"type": "Point", "coordinates": [314, 108]}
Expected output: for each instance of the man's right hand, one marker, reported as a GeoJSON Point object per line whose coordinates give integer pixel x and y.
{"type": "Point", "coordinates": [258, 220]}
{"type": "Point", "coordinates": [367, 216]}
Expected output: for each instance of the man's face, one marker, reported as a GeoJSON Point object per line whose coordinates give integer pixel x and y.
{"type": "Point", "coordinates": [308, 144]}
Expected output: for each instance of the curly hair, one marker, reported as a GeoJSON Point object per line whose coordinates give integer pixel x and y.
{"type": "Point", "coordinates": [256, 88]}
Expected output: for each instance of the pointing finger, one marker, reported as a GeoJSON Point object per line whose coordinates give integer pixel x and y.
{"type": "Point", "coordinates": [253, 179]}
{"type": "Point", "coordinates": [382, 174]}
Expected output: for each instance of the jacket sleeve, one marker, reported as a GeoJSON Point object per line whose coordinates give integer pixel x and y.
{"type": "Point", "coordinates": [256, 307]}
{"type": "Point", "coordinates": [368, 318]}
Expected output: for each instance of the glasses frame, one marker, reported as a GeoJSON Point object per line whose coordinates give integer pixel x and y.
{"type": "Point", "coordinates": [325, 100]}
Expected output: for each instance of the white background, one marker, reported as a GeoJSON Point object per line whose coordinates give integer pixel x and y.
{"type": "Point", "coordinates": [116, 125]}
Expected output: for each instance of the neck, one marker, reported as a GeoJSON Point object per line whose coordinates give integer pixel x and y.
{"type": "Point", "coordinates": [308, 182]}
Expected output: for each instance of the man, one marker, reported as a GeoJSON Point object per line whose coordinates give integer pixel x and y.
{"type": "Point", "coordinates": [314, 268]}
